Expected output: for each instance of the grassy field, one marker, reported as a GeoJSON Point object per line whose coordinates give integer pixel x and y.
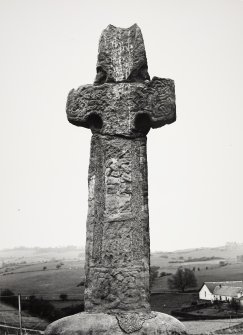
{"type": "Point", "coordinates": [38, 266]}
{"type": "Point", "coordinates": [166, 302]}
{"type": "Point", "coordinates": [31, 279]}
{"type": "Point", "coordinates": [45, 283]}
{"type": "Point", "coordinates": [9, 316]}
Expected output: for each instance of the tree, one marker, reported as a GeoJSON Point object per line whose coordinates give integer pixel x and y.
{"type": "Point", "coordinates": [182, 279]}
{"type": "Point", "coordinates": [235, 305]}
{"type": "Point", "coordinates": [63, 296]}
{"type": "Point", "coordinates": [32, 298]}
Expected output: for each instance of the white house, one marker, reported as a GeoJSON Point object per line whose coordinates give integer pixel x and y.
{"type": "Point", "coordinates": [222, 291]}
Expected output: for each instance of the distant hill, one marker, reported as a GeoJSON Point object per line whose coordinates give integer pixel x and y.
{"type": "Point", "coordinates": [228, 252]}
{"type": "Point", "coordinates": [37, 254]}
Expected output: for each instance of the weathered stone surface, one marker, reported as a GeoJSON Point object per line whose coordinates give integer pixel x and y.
{"type": "Point", "coordinates": [117, 247]}
{"type": "Point", "coordinates": [105, 324]}
{"type": "Point", "coordinates": [121, 56]}
{"type": "Point", "coordinates": [120, 108]}
{"type": "Point", "coordinates": [115, 109]}
{"type": "Point", "coordinates": [119, 111]}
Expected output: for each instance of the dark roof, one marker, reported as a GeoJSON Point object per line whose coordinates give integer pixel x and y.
{"type": "Point", "coordinates": [212, 284]}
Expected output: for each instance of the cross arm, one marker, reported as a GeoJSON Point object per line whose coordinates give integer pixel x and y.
{"type": "Point", "coordinates": [161, 105]}
{"type": "Point", "coordinates": [128, 109]}
{"type": "Point", "coordinates": [84, 106]}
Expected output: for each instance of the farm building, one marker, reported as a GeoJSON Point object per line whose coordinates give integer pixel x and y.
{"type": "Point", "coordinates": [221, 291]}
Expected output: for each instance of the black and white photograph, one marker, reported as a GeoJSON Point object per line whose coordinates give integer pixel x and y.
{"type": "Point", "coordinates": [121, 167]}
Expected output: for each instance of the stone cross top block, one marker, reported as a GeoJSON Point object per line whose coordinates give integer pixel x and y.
{"type": "Point", "coordinates": [122, 101]}
{"type": "Point", "coordinates": [120, 108]}
{"type": "Point", "coordinates": [118, 44]}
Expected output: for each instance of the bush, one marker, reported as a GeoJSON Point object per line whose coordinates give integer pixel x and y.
{"type": "Point", "coordinates": [63, 296]}
{"type": "Point", "coordinates": [9, 298]}
{"type": "Point", "coordinates": [43, 309]}
{"type": "Point", "coordinates": [235, 305]}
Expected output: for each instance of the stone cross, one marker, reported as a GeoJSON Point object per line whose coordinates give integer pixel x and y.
{"type": "Point", "coordinates": [120, 108]}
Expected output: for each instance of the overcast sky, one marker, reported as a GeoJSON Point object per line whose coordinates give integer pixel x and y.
{"type": "Point", "coordinates": [195, 165]}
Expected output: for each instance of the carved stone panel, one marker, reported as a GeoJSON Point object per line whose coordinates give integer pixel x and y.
{"type": "Point", "coordinates": [117, 271]}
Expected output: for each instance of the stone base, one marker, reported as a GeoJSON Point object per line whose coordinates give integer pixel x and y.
{"type": "Point", "coordinates": [105, 324]}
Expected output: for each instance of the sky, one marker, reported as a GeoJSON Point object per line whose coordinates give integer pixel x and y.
{"type": "Point", "coordinates": [195, 165]}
